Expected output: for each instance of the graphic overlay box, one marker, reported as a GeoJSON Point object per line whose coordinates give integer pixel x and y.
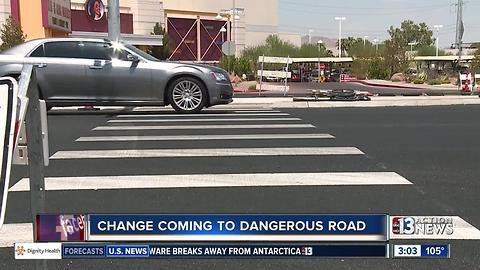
{"type": "Point", "coordinates": [152, 251]}
{"type": "Point", "coordinates": [60, 228]}
{"type": "Point", "coordinates": [237, 228]}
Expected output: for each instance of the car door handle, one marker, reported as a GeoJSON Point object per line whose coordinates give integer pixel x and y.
{"type": "Point", "coordinates": [95, 67]}
{"type": "Point", "coordinates": [41, 65]}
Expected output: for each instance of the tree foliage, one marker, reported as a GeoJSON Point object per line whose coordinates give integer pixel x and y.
{"type": "Point", "coordinates": [430, 51]}
{"type": "Point", "coordinates": [395, 54]}
{"type": "Point", "coordinates": [11, 34]}
{"type": "Point", "coordinates": [273, 46]}
{"type": "Point", "coordinates": [476, 60]}
{"type": "Point", "coordinates": [160, 52]}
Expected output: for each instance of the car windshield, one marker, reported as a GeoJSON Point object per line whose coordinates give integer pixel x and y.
{"type": "Point", "coordinates": [140, 52]}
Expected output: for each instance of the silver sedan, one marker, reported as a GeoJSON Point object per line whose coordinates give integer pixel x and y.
{"type": "Point", "coordinates": [81, 72]}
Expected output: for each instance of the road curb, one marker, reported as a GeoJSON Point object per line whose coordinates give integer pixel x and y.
{"type": "Point", "coordinates": [396, 86]}
{"type": "Point", "coordinates": [396, 101]}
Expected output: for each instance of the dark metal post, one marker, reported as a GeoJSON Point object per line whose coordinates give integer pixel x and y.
{"type": "Point", "coordinates": [35, 151]}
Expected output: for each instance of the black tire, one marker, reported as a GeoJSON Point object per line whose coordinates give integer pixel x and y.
{"type": "Point", "coordinates": [175, 100]}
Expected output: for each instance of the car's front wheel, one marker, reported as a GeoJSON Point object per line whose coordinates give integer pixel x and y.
{"type": "Point", "coordinates": [187, 95]}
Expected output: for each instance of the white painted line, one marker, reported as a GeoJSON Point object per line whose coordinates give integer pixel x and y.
{"type": "Point", "coordinates": [203, 120]}
{"type": "Point", "coordinates": [102, 108]}
{"type": "Point", "coordinates": [204, 137]}
{"type": "Point", "coordinates": [178, 127]}
{"type": "Point", "coordinates": [219, 152]}
{"type": "Point", "coordinates": [202, 115]}
{"type": "Point", "coordinates": [169, 109]}
{"type": "Point", "coordinates": [16, 233]}
{"type": "Point", "coordinates": [216, 180]}
{"type": "Point", "coordinates": [462, 230]}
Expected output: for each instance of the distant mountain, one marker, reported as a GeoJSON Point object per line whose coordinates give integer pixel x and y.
{"type": "Point", "coordinates": [330, 43]}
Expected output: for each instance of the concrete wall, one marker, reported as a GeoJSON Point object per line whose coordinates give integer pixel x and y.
{"type": "Point", "coordinates": [33, 27]}
{"type": "Point", "coordinates": [256, 22]}
{"type": "Point", "coordinates": [257, 12]}
{"type": "Point", "coordinates": [146, 14]}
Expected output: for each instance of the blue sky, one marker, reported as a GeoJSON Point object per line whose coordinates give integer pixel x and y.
{"type": "Point", "coordinates": [373, 17]}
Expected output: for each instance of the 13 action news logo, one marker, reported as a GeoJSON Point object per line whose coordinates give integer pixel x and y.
{"type": "Point", "coordinates": [422, 225]}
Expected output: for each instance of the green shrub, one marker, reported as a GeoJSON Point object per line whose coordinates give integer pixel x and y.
{"type": "Point", "coordinates": [418, 81]}
{"type": "Point", "coordinates": [445, 79]}
{"type": "Point", "coordinates": [434, 82]}
{"type": "Point", "coordinates": [252, 87]}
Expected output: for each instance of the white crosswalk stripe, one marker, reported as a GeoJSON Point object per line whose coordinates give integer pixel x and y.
{"type": "Point", "coordinates": [203, 127]}
{"type": "Point", "coordinates": [217, 180]}
{"type": "Point", "coordinates": [205, 137]}
{"type": "Point", "coordinates": [202, 120]}
{"type": "Point", "coordinates": [208, 152]}
{"type": "Point", "coordinates": [201, 115]}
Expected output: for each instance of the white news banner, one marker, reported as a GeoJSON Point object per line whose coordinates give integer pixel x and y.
{"type": "Point", "coordinates": [35, 251]}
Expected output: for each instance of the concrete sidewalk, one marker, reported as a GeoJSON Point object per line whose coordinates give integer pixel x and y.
{"type": "Point", "coordinates": [375, 102]}
{"type": "Point", "coordinates": [384, 83]}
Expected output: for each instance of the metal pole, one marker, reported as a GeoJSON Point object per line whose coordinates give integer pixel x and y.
{"type": "Point", "coordinates": [234, 15]}
{"type": "Point", "coordinates": [113, 20]}
{"type": "Point", "coordinates": [286, 76]}
{"type": "Point", "coordinates": [458, 38]}
{"type": "Point", "coordinates": [261, 76]}
{"type": "Point", "coordinates": [199, 38]}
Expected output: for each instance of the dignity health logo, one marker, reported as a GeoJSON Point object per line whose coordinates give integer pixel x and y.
{"type": "Point", "coordinates": [32, 251]}
{"type": "Point", "coordinates": [20, 250]}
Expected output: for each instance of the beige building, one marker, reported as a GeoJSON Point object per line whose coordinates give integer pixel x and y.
{"type": "Point", "coordinates": [4, 10]}
{"type": "Point", "coordinates": [255, 21]}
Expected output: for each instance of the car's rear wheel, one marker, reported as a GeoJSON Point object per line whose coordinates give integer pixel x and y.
{"type": "Point", "coordinates": [187, 95]}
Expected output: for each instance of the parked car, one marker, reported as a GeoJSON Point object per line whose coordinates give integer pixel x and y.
{"type": "Point", "coordinates": [82, 72]}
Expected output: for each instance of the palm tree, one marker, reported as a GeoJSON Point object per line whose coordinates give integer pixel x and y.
{"type": "Point", "coordinates": [347, 43]}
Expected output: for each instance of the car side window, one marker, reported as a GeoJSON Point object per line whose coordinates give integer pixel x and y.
{"type": "Point", "coordinates": [97, 50]}
{"type": "Point", "coordinates": [38, 52]}
{"type": "Point", "coordinates": [63, 49]}
{"type": "Point", "coordinates": [121, 54]}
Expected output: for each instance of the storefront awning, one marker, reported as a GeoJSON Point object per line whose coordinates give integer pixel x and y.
{"type": "Point", "coordinates": [138, 40]}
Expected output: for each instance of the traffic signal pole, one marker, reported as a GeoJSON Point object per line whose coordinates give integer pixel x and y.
{"type": "Point", "coordinates": [113, 20]}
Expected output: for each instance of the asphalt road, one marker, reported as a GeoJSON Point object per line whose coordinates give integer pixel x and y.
{"type": "Point", "coordinates": [435, 148]}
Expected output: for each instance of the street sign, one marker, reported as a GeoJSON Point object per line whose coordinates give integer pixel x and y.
{"type": "Point", "coordinates": [274, 73]}
{"type": "Point", "coordinates": [272, 87]}
{"type": "Point", "coordinates": [275, 60]}
{"type": "Point", "coordinates": [228, 48]}
{"type": "Point", "coordinates": [8, 117]}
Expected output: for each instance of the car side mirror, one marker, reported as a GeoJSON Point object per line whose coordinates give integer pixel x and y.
{"type": "Point", "coordinates": [132, 58]}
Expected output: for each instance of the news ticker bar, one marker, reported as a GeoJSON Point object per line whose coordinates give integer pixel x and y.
{"type": "Point", "coordinates": [89, 251]}
{"type": "Point", "coordinates": [211, 228]}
